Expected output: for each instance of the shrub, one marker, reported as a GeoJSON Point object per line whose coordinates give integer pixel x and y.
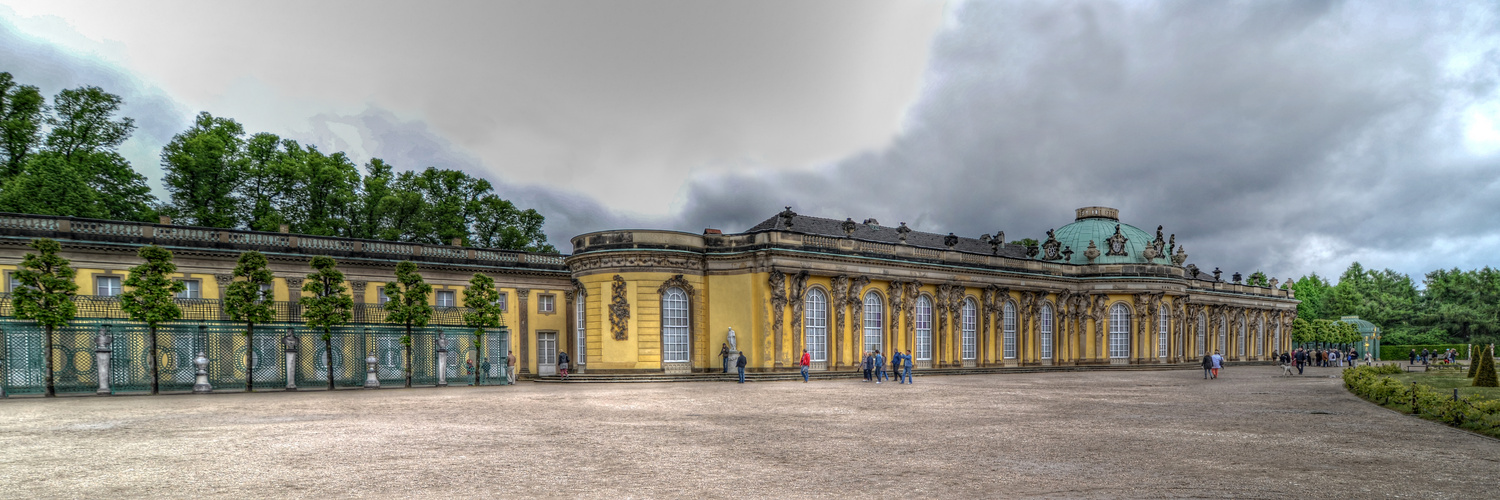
{"type": "Point", "coordinates": [1485, 377]}
{"type": "Point", "coordinates": [1390, 352]}
{"type": "Point", "coordinates": [1371, 383]}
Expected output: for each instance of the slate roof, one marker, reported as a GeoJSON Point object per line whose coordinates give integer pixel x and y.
{"type": "Point", "coordinates": [883, 234]}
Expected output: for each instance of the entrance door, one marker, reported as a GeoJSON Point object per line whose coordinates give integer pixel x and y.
{"type": "Point", "coordinates": [546, 354]}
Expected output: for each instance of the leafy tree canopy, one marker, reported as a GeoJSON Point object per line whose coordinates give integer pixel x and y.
{"type": "Point", "coordinates": [47, 286]}
{"type": "Point", "coordinates": [150, 289]}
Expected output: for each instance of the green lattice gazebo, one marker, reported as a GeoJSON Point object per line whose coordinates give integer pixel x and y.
{"type": "Point", "coordinates": [1370, 337]}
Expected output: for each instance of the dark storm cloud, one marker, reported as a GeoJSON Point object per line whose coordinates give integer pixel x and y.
{"type": "Point", "coordinates": [1288, 137]}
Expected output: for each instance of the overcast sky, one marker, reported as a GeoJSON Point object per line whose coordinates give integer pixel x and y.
{"type": "Point", "coordinates": [1288, 137]}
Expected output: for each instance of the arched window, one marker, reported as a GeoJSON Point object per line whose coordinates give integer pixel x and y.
{"type": "Point", "coordinates": [1260, 337]}
{"type": "Point", "coordinates": [1163, 324]}
{"type": "Point", "coordinates": [1239, 349]}
{"type": "Point", "coordinates": [1010, 330]}
{"type": "Point", "coordinates": [874, 321]}
{"type": "Point", "coordinates": [1046, 325]}
{"type": "Point", "coordinates": [1202, 332]}
{"type": "Point", "coordinates": [582, 342]}
{"type": "Point", "coordinates": [1223, 346]}
{"type": "Point", "coordinates": [1119, 331]}
{"type": "Point", "coordinates": [674, 326]}
{"type": "Point", "coordinates": [970, 321]}
{"type": "Point", "coordinates": [924, 328]}
{"type": "Point", "coordinates": [817, 325]}
{"type": "Point", "coordinates": [1278, 336]}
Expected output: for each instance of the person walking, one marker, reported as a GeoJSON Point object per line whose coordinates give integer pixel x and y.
{"type": "Point", "coordinates": [865, 365]}
{"type": "Point", "coordinates": [1301, 360]}
{"type": "Point", "coordinates": [510, 368]}
{"type": "Point", "coordinates": [906, 365]}
{"type": "Point", "coordinates": [724, 357]}
{"type": "Point", "coordinates": [1218, 362]}
{"type": "Point", "coordinates": [1208, 366]}
{"type": "Point", "coordinates": [806, 363]}
{"type": "Point", "coordinates": [1411, 359]}
{"type": "Point", "coordinates": [896, 367]}
{"type": "Point", "coordinates": [562, 364]}
{"type": "Point", "coordinates": [739, 364]}
{"type": "Point", "coordinates": [879, 366]}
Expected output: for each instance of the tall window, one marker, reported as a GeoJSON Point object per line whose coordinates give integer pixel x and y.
{"type": "Point", "coordinates": [1223, 346]}
{"type": "Point", "coordinates": [1260, 336]}
{"type": "Point", "coordinates": [924, 328]}
{"type": "Point", "coordinates": [874, 321]}
{"type": "Point", "coordinates": [969, 324]}
{"type": "Point", "coordinates": [1010, 330]}
{"type": "Point", "coordinates": [1278, 335]}
{"type": "Point", "coordinates": [192, 289]}
{"type": "Point", "coordinates": [1046, 321]}
{"type": "Point", "coordinates": [674, 326]}
{"type": "Point", "coordinates": [582, 340]}
{"type": "Point", "coordinates": [447, 298]}
{"type": "Point", "coordinates": [500, 300]}
{"type": "Point", "coordinates": [1119, 331]}
{"type": "Point", "coordinates": [816, 325]}
{"type": "Point", "coordinates": [1163, 323]}
{"type": "Point", "coordinates": [1240, 345]}
{"type": "Point", "coordinates": [107, 286]}
{"type": "Point", "coordinates": [1202, 333]}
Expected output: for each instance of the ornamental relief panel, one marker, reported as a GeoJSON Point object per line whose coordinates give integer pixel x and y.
{"type": "Point", "coordinates": [585, 263]}
{"type": "Point", "coordinates": [619, 309]}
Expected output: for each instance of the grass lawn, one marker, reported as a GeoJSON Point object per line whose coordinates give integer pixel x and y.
{"type": "Point", "coordinates": [1445, 380]}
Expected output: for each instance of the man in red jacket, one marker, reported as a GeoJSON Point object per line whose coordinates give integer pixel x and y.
{"type": "Point", "coordinates": [806, 362]}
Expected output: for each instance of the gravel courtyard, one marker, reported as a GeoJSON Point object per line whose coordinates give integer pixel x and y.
{"type": "Point", "coordinates": [1250, 434]}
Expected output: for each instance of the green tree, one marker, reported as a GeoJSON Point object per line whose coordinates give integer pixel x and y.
{"type": "Point", "coordinates": [406, 304]}
{"type": "Point", "coordinates": [270, 178]}
{"type": "Point", "coordinates": [480, 297]}
{"type": "Point", "coordinates": [149, 298]}
{"type": "Point", "coordinates": [86, 136]}
{"type": "Point", "coordinates": [1258, 278]}
{"type": "Point", "coordinates": [1486, 376]}
{"type": "Point", "coordinates": [1313, 291]}
{"type": "Point", "coordinates": [23, 111]}
{"type": "Point", "coordinates": [1473, 362]}
{"type": "Point", "coordinates": [49, 186]}
{"type": "Point", "coordinates": [325, 193]}
{"type": "Point", "coordinates": [46, 294]}
{"type": "Point", "coordinates": [369, 214]}
{"type": "Point", "coordinates": [204, 166]}
{"type": "Point", "coordinates": [328, 306]}
{"type": "Point", "coordinates": [245, 301]}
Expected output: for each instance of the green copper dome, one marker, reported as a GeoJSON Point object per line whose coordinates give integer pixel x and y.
{"type": "Point", "coordinates": [1097, 224]}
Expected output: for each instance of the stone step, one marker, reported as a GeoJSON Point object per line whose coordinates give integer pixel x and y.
{"type": "Point", "coordinates": [845, 374]}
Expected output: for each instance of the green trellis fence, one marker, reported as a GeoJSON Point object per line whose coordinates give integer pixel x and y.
{"type": "Point", "coordinates": [75, 350]}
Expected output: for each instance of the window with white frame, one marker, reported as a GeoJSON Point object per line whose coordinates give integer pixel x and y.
{"type": "Point", "coordinates": [1277, 338]}
{"type": "Point", "coordinates": [107, 286]}
{"type": "Point", "coordinates": [546, 303]}
{"type": "Point", "coordinates": [1223, 346]}
{"type": "Point", "coordinates": [969, 322]}
{"type": "Point", "coordinates": [447, 298]}
{"type": "Point", "coordinates": [1202, 333]}
{"type": "Point", "coordinates": [192, 289]}
{"type": "Point", "coordinates": [816, 325]}
{"type": "Point", "coordinates": [1046, 326]}
{"type": "Point", "coordinates": [500, 300]}
{"type": "Point", "coordinates": [380, 297]}
{"type": "Point", "coordinates": [1163, 323]}
{"type": "Point", "coordinates": [1240, 345]}
{"type": "Point", "coordinates": [582, 340]}
{"type": "Point", "coordinates": [923, 322]}
{"type": "Point", "coordinates": [674, 326]}
{"type": "Point", "coordinates": [1009, 349]}
{"type": "Point", "coordinates": [1260, 336]}
{"type": "Point", "coordinates": [266, 292]}
{"type": "Point", "coordinates": [1119, 331]}
{"type": "Point", "coordinates": [874, 321]}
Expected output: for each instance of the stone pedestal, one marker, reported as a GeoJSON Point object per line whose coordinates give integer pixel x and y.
{"type": "Point", "coordinates": [371, 381]}
{"type": "Point", "coordinates": [201, 385]}
{"type": "Point", "coordinates": [442, 367]}
{"type": "Point", "coordinates": [101, 358]}
{"type": "Point", "coordinates": [290, 344]}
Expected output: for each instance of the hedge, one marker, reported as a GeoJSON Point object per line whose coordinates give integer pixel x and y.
{"type": "Point", "coordinates": [1399, 352]}
{"type": "Point", "coordinates": [1371, 383]}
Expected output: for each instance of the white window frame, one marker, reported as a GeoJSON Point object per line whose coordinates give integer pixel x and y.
{"type": "Point", "coordinates": [546, 303]}
{"type": "Point", "coordinates": [579, 315]}
{"type": "Point", "coordinates": [501, 300]}
{"type": "Point", "coordinates": [1223, 346]}
{"type": "Point", "coordinates": [968, 326]}
{"type": "Point", "coordinates": [923, 322]}
{"type": "Point", "coordinates": [1009, 320]}
{"type": "Point", "coordinates": [874, 322]}
{"type": "Point", "coordinates": [1045, 318]}
{"type": "Point", "coordinates": [815, 325]}
{"type": "Point", "coordinates": [1163, 324]}
{"type": "Point", "coordinates": [192, 289]}
{"type": "Point", "coordinates": [267, 291]}
{"type": "Point", "coordinates": [380, 297]}
{"type": "Point", "coordinates": [1240, 352]}
{"type": "Point", "coordinates": [1202, 334]}
{"type": "Point", "coordinates": [1260, 337]}
{"type": "Point", "coordinates": [452, 296]}
{"type": "Point", "coordinates": [1119, 331]}
{"type": "Point", "coordinates": [675, 326]}
{"type": "Point", "coordinates": [112, 289]}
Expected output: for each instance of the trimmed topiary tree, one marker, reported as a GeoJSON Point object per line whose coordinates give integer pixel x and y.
{"type": "Point", "coordinates": [245, 302]}
{"type": "Point", "coordinates": [150, 298]}
{"type": "Point", "coordinates": [329, 305]}
{"type": "Point", "coordinates": [1473, 362]}
{"type": "Point", "coordinates": [480, 297]}
{"type": "Point", "coordinates": [406, 304]}
{"type": "Point", "coordinates": [1486, 375]}
{"type": "Point", "coordinates": [46, 294]}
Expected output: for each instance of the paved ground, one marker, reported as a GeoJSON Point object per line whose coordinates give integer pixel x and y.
{"type": "Point", "coordinates": [1128, 434]}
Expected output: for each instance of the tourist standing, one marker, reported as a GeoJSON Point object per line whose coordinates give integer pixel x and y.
{"type": "Point", "coordinates": [740, 365]}
{"type": "Point", "coordinates": [806, 363]}
{"type": "Point", "coordinates": [510, 368]}
{"type": "Point", "coordinates": [896, 364]}
{"type": "Point", "coordinates": [906, 365]}
{"type": "Point", "coordinates": [562, 364]}
{"type": "Point", "coordinates": [724, 357]}
{"type": "Point", "coordinates": [1218, 362]}
{"type": "Point", "coordinates": [865, 365]}
{"type": "Point", "coordinates": [1411, 359]}
{"type": "Point", "coordinates": [1208, 366]}
{"type": "Point", "coordinates": [879, 366]}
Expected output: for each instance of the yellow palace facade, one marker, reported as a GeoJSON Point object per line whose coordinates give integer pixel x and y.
{"type": "Point", "coordinates": [1095, 291]}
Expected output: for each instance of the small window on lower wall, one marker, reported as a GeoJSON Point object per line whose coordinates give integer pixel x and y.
{"type": "Point", "coordinates": [192, 289]}
{"type": "Point", "coordinates": [546, 303]}
{"type": "Point", "coordinates": [447, 298]}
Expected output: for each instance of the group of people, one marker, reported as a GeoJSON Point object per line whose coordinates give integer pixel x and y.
{"type": "Point", "coordinates": [739, 362]}
{"type": "Point", "coordinates": [1329, 358]}
{"type": "Point", "coordinates": [1212, 363]}
{"type": "Point", "coordinates": [873, 366]}
{"type": "Point", "coordinates": [1448, 356]}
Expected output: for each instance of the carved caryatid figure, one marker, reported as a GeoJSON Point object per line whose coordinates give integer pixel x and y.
{"type": "Point", "coordinates": [798, 293]}
{"type": "Point", "coordinates": [1116, 243]}
{"type": "Point", "coordinates": [772, 345]}
{"type": "Point", "coordinates": [1097, 314]}
{"type": "Point", "coordinates": [902, 231]}
{"type": "Point", "coordinates": [840, 290]}
{"type": "Point", "coordinates": [1051, 249]}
